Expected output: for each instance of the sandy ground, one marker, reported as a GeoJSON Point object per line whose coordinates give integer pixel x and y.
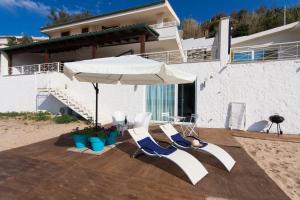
{"type": "Point", "coordinates": [15, 133]}
{"type": "Point", "coordinates": [280, 160]}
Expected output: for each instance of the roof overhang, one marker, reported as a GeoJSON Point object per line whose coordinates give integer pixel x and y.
{"type": "Point", "coordinates": [119, 16]}
{"type": "Point", "coordinates": [110, 37]}
{"type": "Point", "coordinates": [291, 26]}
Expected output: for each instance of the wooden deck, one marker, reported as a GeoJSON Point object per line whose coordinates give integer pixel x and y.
{"type": "Point", "coordinates": [46, 170]}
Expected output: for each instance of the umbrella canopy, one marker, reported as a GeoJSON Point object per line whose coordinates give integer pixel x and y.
{"type": "Point", "coordinates": [127, 70]}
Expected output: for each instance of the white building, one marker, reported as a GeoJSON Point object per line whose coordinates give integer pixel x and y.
{"type": "Point", "coordinates": [261, 71]}
{"type": "Point", "coordinates": [4, 39]}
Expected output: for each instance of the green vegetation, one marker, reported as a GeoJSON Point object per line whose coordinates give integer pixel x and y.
{"type": "Point", "coordinates": [23, 40]}
{"type": "Point", "coordinates": [56, 17]}
{"type": "Point", "coordinates": [64, 119]}
{"type": "Point", "coordinates": [244, 22]}
{"type": "Point", "coordinates": [92, 131]}
{"type": "Point", "coordinates": [38, 116]}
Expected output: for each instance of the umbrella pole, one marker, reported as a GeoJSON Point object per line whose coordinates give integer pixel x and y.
{"type": "Point", "coordinates": [96, 113]}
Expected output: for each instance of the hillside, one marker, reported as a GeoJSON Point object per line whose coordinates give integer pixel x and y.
{"type": "Point", "coordinates": [244, 22]}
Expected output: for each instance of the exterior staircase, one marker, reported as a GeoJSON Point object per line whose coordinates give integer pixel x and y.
{"type": "Point", "coordinates": [70, 102]}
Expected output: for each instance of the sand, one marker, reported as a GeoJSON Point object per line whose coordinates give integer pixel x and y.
{"type": "Point", "coordinates": [280, 160]}
{"type": "Point", "coordinates": [16, 132]}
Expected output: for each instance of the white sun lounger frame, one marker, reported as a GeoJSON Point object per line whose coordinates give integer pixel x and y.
{"type": "Point", "coordinates": [194, 170]}
{"type": "Point", "coordinates": [210, 148]}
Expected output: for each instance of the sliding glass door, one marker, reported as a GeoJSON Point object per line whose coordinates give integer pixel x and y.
{"type": "Point", "coordinates": [186, 100]}
{"type": "Point", "coordinates": [160, 99]}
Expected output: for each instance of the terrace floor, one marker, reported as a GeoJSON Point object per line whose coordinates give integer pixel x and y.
{"type": "Point", "coordinates": [46, 170]}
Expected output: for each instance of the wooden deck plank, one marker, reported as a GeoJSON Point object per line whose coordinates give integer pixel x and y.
{"type": "Point", "coordinates": [47, 170]}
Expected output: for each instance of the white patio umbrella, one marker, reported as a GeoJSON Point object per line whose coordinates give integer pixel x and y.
{"type": "Point", "coordinates": [126, 70]}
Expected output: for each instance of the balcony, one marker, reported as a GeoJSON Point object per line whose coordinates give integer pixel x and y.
{"type": "Point", "coordinates": [38, 68]}
{"type": "Point", "coordinates": [277, 51]}
{"type": "Point", "coordinates": [168, 57]}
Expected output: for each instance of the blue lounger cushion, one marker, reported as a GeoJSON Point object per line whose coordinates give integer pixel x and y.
{"type": "Point", "coordinates": [178, 139]}
{"type": "Point", "coordinates": [151, 147]}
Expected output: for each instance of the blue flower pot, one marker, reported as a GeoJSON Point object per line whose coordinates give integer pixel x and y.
{"type": "Point", "coordinates": [112, 138]}
{"type": "Point", "coordinates": [97, 143]}
{"type": "Point", "coordinates": [80, 140]}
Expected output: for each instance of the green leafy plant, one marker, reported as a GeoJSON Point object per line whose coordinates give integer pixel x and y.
{"type": "Point", "coordinates": [64, 119]}
{"type": "Point", "coordinates": [92, 132]}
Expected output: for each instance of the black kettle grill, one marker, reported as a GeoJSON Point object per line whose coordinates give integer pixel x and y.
{"type": "Point", "coordinates": [277, 119]}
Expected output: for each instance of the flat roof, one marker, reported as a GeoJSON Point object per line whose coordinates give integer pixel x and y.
{"type": "Point", "coordinates": [109, 37]}
{"type": "Point", "coordinates": [106, 14]}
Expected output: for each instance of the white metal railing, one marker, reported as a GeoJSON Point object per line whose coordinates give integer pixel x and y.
{"type": "Point", "coordinates": [175, 57]}
{"type": "Point", "coordinates": [277, 51]}
{"type": "Point", "coordinates": [163, 24]}
{"type": "Point", "coordinates": [37, 68]}
{"type": "Point", "coordinates": [168, 57]}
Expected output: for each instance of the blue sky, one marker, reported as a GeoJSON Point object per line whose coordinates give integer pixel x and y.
{"type": "Point", "coordinates": [25, 17]}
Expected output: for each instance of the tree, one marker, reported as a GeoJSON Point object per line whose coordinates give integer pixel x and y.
{"type": "Point", "coordinates": [63, 16]}
{"type": "Point", "coordinates": [243, 22]}
{"type": "Point", "coordinates": [23, 40]}
{"type": "Point", "coordinates": [12, 41]}
{"type": "Point", "coordinates": [191, 29]}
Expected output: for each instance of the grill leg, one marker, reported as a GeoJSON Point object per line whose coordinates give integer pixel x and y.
{"type": "Point", "coordinates": [269, 127]}
{"type": "Point", "coordinates": [277, 129]}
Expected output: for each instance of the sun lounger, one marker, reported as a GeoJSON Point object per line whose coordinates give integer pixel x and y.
{"type": "Point", "coordinates": [183, 143]}
{"type": "Point", "coordinates": [194, 170]}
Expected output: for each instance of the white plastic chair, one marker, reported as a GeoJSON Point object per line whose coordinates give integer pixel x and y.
{"type": "Point", "coordinates": [189, 129]}
{"type": "Point", "coordinates": [142, 120]}
{"type": "Point", "coordinates": [118, 118]}
{"type": "Point", "coordinates": [166, 117]}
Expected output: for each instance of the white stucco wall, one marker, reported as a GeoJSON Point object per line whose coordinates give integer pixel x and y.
{"type": "Point", "coordinates": [266, 88]}
{"type": "Point", "coordinates": [20, 94]}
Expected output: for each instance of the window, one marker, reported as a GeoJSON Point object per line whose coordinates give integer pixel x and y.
{"type": "Point", "coordinates": [66, 33]}
{"type": "Point", "coordinates": [242, 56]}
{"type": "Point", "coordinates": [85, 30]}
{"type": "Point", "coordinates": [258, 55]}
{"type": "Point", "coordinates": [255, 55]}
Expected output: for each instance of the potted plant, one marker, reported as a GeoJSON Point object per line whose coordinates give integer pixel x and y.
{"type": "Point", "coordinates": [97, 139]}
{"type": "Point", "coordinates": [80, 138]}
{"type": "Point", "coordinates": [112, 136]}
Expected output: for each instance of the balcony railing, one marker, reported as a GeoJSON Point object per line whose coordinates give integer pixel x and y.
{"type": "Point", "coordinates": [168, 57]}
{"type": "Point", "coordinates": [37, 68]}
{"type": "Point", "coordinates": [278, 51]}
{"type": "Point", "coordinates": [176, 57]}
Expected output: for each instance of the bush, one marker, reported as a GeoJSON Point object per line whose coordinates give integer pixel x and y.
{"type": "Point", "coordinates": [39, 116]}
{"type": "Point", "coordinates": [64, 119]}
{"type": "Point", "coordinates": [13, 114]}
